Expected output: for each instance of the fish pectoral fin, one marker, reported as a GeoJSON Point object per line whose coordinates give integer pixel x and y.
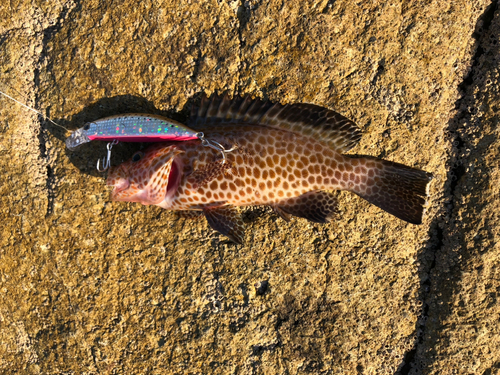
{"type": "Point", "coordinates": [316, 206]}
{"type": "Point", "coordinates": [203, 175]}
{"type": "Point", "coordinates": [226, 220]}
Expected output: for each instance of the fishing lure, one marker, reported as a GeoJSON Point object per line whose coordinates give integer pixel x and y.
{"type": "Point", "coordinates": [137, 127]}
{"type": "Point", "coordinates": [132, 127]}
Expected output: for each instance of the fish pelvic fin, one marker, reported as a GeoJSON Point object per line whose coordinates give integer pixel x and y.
{"type": "Point", "coordinates": [227, 221]}
{"type": "Point", "coordinates": [309, 120]}
{"type": "Point", "coordinates": [315, 206]}
{"type": "Point", "coordinates": [394, 187]}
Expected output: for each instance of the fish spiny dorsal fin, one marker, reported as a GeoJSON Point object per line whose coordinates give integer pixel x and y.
{"type": "Point", "coordinates": [224, 110]}
{"type": "Point", "coordinates": [310, 120]}
{"type": "Point", "coordinates": [245, 104]}
{"type": "Point", "coordinates": [198, 114]}
{"type": "Point", "coordinates": [213, 107]}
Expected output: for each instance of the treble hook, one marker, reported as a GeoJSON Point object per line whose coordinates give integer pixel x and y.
{"type": "Point", "coordinates": [106, 161]}
{"type": "Point", "coordinates": [215, 145]}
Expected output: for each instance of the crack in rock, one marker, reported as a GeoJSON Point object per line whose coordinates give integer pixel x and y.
{"type": "Point", "coordinates": [455, 174]}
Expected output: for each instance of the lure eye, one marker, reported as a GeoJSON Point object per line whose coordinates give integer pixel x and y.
{"type": "Point", "coordinates": [137, 156]}
{"type": "Point", "coordinates": [86, 127]}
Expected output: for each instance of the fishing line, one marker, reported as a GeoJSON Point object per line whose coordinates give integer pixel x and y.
{"type": "Point", "coordinates": [34, 110]}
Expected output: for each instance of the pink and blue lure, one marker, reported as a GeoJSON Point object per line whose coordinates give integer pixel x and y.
{"type": "Point", "coordinates": [131, 128]}
{"type": "Point", "coordinates": [135, 128]}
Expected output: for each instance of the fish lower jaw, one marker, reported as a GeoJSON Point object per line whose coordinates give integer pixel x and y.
{"type": "Point", "coordinates": [120, 185]}
{"type": "Point", "coordinates": [122, 193]}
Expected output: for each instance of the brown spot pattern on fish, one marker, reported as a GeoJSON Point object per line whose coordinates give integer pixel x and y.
{"type": "Point", "coordinates": [286, 156]}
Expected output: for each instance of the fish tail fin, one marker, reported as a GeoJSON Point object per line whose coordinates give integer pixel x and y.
{"type": "Point", "coordinates": [394, 187]}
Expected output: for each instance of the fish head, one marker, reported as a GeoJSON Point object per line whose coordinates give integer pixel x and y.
{"type": "Point", "coordinates": [149, 177]}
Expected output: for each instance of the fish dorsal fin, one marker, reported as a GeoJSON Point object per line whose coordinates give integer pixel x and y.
{"type": "Point", "coordinates": [310, 120]}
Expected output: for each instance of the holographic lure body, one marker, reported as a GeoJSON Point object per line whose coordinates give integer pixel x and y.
{"type": "Point", "coordinates": [132, 127]}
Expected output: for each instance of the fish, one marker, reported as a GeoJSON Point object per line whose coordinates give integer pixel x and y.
{"type": "Point", "coordinates": [290, 157]}
{"type": "Point", "coordinates": [131, 127]}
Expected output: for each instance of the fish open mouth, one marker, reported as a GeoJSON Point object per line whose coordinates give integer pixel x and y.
{"type": "Point", "coordinates": [152, 179]}
{"type": "Point", "coordinates": [125, 190]}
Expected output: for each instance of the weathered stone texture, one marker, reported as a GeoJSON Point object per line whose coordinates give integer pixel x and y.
{"type": "Point", "coordinates": [92, 286]}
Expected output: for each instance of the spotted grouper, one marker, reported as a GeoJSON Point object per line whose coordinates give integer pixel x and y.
{"type": "Point", "coordinates": [258, 153]}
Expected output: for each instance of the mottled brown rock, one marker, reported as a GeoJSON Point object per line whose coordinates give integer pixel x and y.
{"type": "Point", "coordinates": [92, 286]}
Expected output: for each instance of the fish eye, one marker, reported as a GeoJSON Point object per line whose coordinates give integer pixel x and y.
{"type": "Point", "coordinates": [86, 127]}
{"type": "Point", "coordinates": [137, 156]}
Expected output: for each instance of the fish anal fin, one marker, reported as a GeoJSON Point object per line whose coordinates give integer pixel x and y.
{"type": "Point", "coordinates": [227, 221]}
{"type": "Point", "coordinates": [316, 206]}
{"type": "Point", "coordinates": [284, 215]}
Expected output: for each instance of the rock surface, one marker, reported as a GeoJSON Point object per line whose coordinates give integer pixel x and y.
{"type": "Point", "coordinates": [91, 286]}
